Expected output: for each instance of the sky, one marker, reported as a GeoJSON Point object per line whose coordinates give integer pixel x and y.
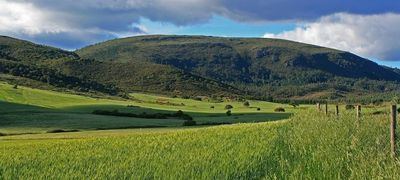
{"type": "Point", "coordinates": [368, 28]}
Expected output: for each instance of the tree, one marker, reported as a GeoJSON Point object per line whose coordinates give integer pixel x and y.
{"type": "Point", "coordinates": [279, 109]}
{"type": "Point", "coordinates": [229, 113]}
{"type": "Point", "coordinates": [228, 106]}
{"type": "Point", "coordinates": [246, 104]}
{"type": "Point", "coordinates": [293, 103]}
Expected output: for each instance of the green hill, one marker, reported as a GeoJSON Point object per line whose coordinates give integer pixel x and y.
{"type": "Point", "coordinates": [191, 66]}
{"type": "Point", "coordinates": [261, 67]}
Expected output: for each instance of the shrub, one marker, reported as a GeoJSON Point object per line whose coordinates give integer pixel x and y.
{"type": "Point", "coordinates": [2, 134]}
{"type": "Point", "coordinates": [186, 117]}
{"type": "Point", "coordinates": [212, 107]}
{"type": "Point", "coordinates": [216, 123]}
{"type": "Point", "coordinates": [198, 98]}
{"type": "Point", "coordinates": [279, 109]}
{"type": "Point", "coordinates": [124, 95]}
{"type": "Point", "coordinates": [398, 110]}
{"type": "Point", "coordinates": [349, 107]}
{"type": "Point", "coordinates": [229, 113]}
{"type": "Point", "coordinates": [246, 104]}
{"type": "Point", "coordinates": [61, 131]}
{"type": "Point", "coordinates": [294, 104]}
{"type": "Point", "coordinates": [15, 86]}
{"type": "Point", "coordinates": [228, 106]}
{"type": "Point", "coordinates": [179, 114]}
{"type": "Point", "coordinates": [258, 109]}
{"type": "Point", "coordinates": [189, 123]}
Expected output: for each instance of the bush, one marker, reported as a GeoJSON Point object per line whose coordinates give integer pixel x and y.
{"type": "Point", "coordinates": [279, 109]}
{"type": "Point", "coordinates": [61, 131]}
{"type": "Point", "coordinates": [294, 104]}
{"type": "Point", "coordinates": [228, 106]}
{"type": "Point", "coordinates": [229, 113]}
{"type": "Point", "coordinates": [189, 123]}
{"type": "Point", "coordinates": [212, 107]}
{"type": "Point", "coordinates": [258, 109]}
{"type": "Point", "coordinates": [398, 110]}
{"type": "Point", "coordinates": [246, 104]}
{"type": "Point", "coordinates": [216, 123]}
{"type": "Point", "coordinates": [124, 95]}
{"type": "Point", "coordinates": [349, 107]}
{"type": "Point", "coordinates": [15, 86]}
{"type": "Point", "coordinates": [179, 114]}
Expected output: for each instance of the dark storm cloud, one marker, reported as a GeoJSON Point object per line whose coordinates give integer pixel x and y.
{"type": "Point", "coordinates": [272, 10]}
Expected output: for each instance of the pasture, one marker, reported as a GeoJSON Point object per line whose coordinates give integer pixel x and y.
{"type": "Point", "coordinates": [25, 110]}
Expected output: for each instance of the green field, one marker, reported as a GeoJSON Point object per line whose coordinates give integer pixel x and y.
{"type": "Point", "coordinates": [306, 145]}
{"type": "Point", "coordinates": [309, 145]}
{"type": "Point", "coordinates": [26, 110]}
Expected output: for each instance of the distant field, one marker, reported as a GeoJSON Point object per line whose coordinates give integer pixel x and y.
{"type": "Point", "coordinates": [26, 110]}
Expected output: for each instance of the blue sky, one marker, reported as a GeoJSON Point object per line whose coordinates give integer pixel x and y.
{"type": "Point", "coordinates": [218, 26]}
{"type": "Point", "coordinates": [369, 28]}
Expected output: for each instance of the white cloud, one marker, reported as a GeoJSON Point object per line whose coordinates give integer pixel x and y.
{"type": "Point", "coordinates": [89, 21]}
{"type": "Point", "coordinates": [373, 36]}
{"type": "Point", "coordinates": [30, 21]}
{"type": "Point", "coordinates": [26, 18]}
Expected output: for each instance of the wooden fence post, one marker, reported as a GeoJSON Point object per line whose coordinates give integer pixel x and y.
{"type": "Point", "coordinates": [337, 110]}
{"type": "Point", "coordinates": [393, 130]}
{"type": "Point", "coordinates": [319, 106]}
{"type": "Point", "coordinates": [326, 108]}
{"type": "Point", "coordinates": [358, 109]}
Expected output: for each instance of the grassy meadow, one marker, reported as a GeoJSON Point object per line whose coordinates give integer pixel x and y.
{"type": "Point", "coordinates": [299, 144]}
{"type": "Point", "coordinates": [308, 146]}
{"type": "Point", "coordinates": [27, 110]}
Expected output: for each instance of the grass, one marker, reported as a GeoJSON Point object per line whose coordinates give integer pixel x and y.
{"type": "Point", "coordinates": [308, 146]}
{"type": "Point", "coordinates": [27, 110]}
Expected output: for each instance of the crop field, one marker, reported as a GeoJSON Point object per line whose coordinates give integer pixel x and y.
{"type": "Point", "coordinates": [302, 143]}
{"type": "Point", "coordinates": [309, 145]}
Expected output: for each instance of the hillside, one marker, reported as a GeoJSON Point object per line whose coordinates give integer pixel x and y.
{"type": "Point", "coordinates": [191, 66]}
{"type": "Point", "coordinates": [66, 69]}
{"type": "Point", "coordinates": [262, 67]}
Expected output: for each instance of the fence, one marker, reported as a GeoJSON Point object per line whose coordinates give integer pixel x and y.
{"type": "Point", "coordinates": [393, 122]}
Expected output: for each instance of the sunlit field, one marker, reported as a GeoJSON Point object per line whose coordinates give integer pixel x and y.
{"type": "Point", "coordinates": [309, 145]}
{"type": "Point", "coordinates": [27, 110]}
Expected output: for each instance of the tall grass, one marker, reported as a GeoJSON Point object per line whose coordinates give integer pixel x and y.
{"type": "Point", "coordinates": [344, 147]}
{"type": "Point", "coordinates": [310, 145]}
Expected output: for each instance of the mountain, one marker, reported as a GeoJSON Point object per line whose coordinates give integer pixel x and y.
{"type": "Point", "coordinates": [190, 66]}
{"type": "Point", "coordinates": [68, 70]}
{"type": "Point", "coordinates": [261, 67]}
